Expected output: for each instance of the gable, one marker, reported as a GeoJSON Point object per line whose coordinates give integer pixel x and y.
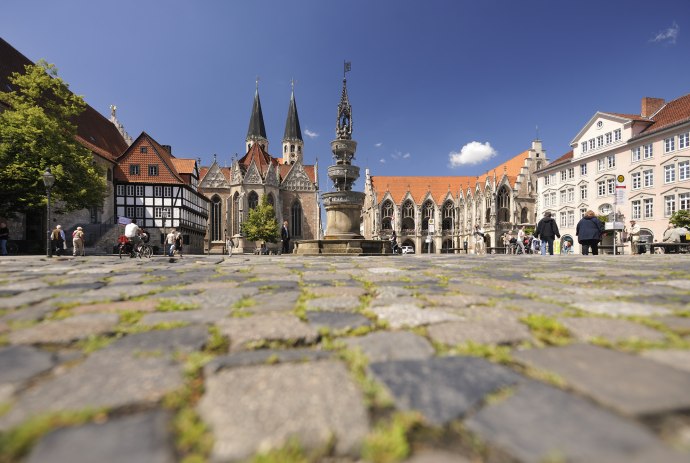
{"type": "Point", "coordinates": [297, 179]}
{"type": "Point", "coordinates": [214, 178]}
{"type": "Point", "coordinates": [252, 176]}
{"type": "Point", "coordinates": [272, 176]}
{"type": "Point", "coordinates": [146, 152]}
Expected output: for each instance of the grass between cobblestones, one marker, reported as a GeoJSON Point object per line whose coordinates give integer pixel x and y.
{"type": "Point", "coordinates": [547, 330]}
{"type": "Point", "coordinates": [17, 442]}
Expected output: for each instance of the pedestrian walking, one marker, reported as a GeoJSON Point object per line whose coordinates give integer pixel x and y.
{"type": "Point", "coordinates": [521, 238]}
{"type": "Point", "coordinates": [588, 231]}
{"type": "Point", "coordinates": [78, 242]}
{"type": "Point", "coordinates": [479, 247]}
{"type": "Point", "coordinates": [170, 242]}
{"type": "Point", "coordinates": [57, 240]}
{"type": "Point", "coordinates": [634, 236]}
{"type": "Point", "coordinates": [285, 237]}
{"type": "Point", "coordinates": [546, 231]}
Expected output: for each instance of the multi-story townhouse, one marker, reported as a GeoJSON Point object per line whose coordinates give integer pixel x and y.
{"type": "Point", "coordinates": [649, 152]}
{"type": "Point", "coordinates": [159, 191]}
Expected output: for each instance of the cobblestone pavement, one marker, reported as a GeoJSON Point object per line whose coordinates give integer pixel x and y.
{"type": "Point", "coordinates": [423, 359]}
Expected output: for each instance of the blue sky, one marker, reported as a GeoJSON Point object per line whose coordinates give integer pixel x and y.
{"type": "Point", "coordinates": [436, 87]}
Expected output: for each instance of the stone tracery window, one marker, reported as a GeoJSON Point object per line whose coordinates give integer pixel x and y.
{"type": "Point", "coordinates": [253, 200]}
{"type": "Point", "coordinates": [387, 215]}
{"type": "Point", "coordinates": [448, 216]}
{"type": "Point", "coordinates": [427, 213]}
{"type": "Point", "coordinates": [408, 223]}
{"type": "Point", "coordinates": [503, 203]}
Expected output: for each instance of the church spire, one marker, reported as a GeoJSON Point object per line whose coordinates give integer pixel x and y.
{"type": "Point", "coordinates": [343, 129]}
{"type": "Point", "coordinates": [257, 130]}
{"type": "Point", "coordinates": [292, 138]}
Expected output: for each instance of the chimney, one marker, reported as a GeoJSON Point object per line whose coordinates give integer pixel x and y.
{"type": "Point", "coordinates": [167, 148]}
{"type": "Point", "coordinates": [651, 105]}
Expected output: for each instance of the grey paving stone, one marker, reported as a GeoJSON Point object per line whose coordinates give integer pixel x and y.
{"type": "Point", "coordinates": [618, 309]}
{"type": "Point", "coordinates": [676, 358]}
{"type": "Point", "coordinates": [401, 300]}
{"type": "Point", "coordinates": [397, 345]}
{"type": "Point", "coordinates": [391, 292]}
{"type": "Point", "coordinates": [611, 329]}
{"type": "Point", "coordinates": [272, 327]}
{"type": "Point", "coordinates": [335, 304]}
{"type": "Point", "coordinates": [489, 331]}
{"type": "Point", "coordinates": [216, 299]}
{"type": "Point", "coordinates": [330, 291]}
{"type": "Point", "coordinates": [313, 402]}
{"type": "Point", "coordinates": [680, 325]}
{"type": "Point", "coordinates": [628, 383]}
{"type": "Point", "coordinates": [384, 270]}
{"type": "Point", "coordinates": [26, 298]}
{"type": "Point", "coordinates": [337, 320]}
{"type": "Point", "coordinates": [437, 456]}
{"type": "Point", "coordinates": [105, 379]}
{"type": "Point", "coordinates": [406, 315]}
{"type": "Point", "coordinates": [144, 305]}
{"type": "Point", "coordinates": [442, 389]}
{"type": "Point", "coordinates": [141, 438]}
{"type": "Point", "coordinates": [540, 423]}
{"type": "Point", "coordinates": [262, 357]}
{"type": "Point", "coordinates": [185, 339]}
{"type": "Point", "coordinates": [279, 301]}
{"type": "Point", "coordinates": [200, 316]}
{"type": "Point", "coordinates": [18, 364]}
{"type": "Point", "coordinates": [456, 301]}
{"type": "Point", "coordinates": [67, 330]}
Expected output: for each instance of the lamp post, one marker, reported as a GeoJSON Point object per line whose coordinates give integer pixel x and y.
{"type": "Point", "coordinates": [48, 181]}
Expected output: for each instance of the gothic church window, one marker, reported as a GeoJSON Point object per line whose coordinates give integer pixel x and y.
{"type": "Point", "coordinates": [270, 200]}
{"type": "Point", "coordinates": [387, 215]}
{"type": "Point", "coordinates": [503, 200]}
{"type": "Point", "coordinates": [448, 216]}
{"type": "Point", "coordinates": [253, 200]}
{"type": "Point", "coordinates": [296, 216]}
{"type": "Point", "coordinates": [427, 213]}
{"type": "Point", "coordinates": [216, 218]}
{"type": "Point", "coordinates": [408, 217]}
{"type": "Point", "coordinates": [236, 214]}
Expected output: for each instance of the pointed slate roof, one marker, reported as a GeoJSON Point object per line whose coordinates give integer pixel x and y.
{"type": "Point", "coordinates": [292, 129]}
{"type": "Point", "coordinates": [257, 129]}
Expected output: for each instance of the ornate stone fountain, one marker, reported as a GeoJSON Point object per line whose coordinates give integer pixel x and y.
{"type": "Point", "coordinates": [343, 206]}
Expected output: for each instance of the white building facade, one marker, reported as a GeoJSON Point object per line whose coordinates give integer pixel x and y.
{"type": "Point", "coordinates": [646, 156]}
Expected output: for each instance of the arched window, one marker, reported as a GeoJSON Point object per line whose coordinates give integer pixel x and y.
{"type": "Point", "coordinates": [427, 213]}
{"type": "Point", "coordinates": [503, 200]}
{"type": "Point", "coordinates": [236, 214]}
{"type": "Point", "coordinates": [271, 201]}
{"type": "Point", "coordinates": [448, 216]}
{"type": "Point", "coordinates": [253, 200]}
{"type": "Point", "coordinates": [523, 215]}
{"type": "Point", "coordinates": [296, 216]}
{"type": "Point", "coordinates": [487, 201]}
{"type": "Point", "coordinates": [408, 217]}
{"type": "Point", "coordinates": [216, 218]}
{"type": "Point", "coordinates": [387, 215]}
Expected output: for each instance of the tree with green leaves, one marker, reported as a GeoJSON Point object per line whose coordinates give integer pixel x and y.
{"type": "Point", "coordinates": [681, 218]}
{"type": "Point", "coordinates": [261, 225]}
{"type": "Point", "coordinates": [38, 131]}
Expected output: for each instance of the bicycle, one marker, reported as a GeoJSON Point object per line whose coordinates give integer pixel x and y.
{"type": "Point", "coordinates": [142, 250]}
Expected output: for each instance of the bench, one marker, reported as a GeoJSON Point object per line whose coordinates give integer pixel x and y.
{"type": "Point", "coordinates": [670, 248]}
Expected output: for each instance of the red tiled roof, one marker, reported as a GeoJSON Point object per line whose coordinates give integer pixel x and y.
{"type": "Point", "coordinates": [94, 131]}
{"type": "Point", "coordinates": [439, 186]}
{"type": "Point", "coordinates": [155, 155]}
{"type": "Point", "coordinates": [673, 113]}
{"type": "Point", "coordinates": [183, 166]}
{"type": "Point", "coordinates": [562, 160]}
{"type": "Point", "coordinates": [260, 157]}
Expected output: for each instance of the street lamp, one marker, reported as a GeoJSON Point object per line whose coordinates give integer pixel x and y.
{"type": "Point", "coordinates": [48, 181]}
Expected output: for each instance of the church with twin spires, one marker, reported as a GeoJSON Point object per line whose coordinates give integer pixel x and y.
{"type": "Point", "coordinates": [290, 186]}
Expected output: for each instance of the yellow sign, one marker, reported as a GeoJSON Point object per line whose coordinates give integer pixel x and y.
{"type": "Point", "coordinates": [620, 179]}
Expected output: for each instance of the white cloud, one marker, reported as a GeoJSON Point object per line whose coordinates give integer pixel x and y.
{"type": "Point", "coordinates": [310, 134]}
{"type": "Point", "coordinates": [669, 35]}
{"type": "Point", "coordinates": [378, 145]}
{"type": "Point", "coordinates": [382, 161]}
{"type": "Point", "coordinates": [472, 153]}
{"type": "Point", "coordinates": [400, 155]}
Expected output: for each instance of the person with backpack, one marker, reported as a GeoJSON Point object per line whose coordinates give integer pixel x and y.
{"type": "Point", "coordinates": [547, 231]}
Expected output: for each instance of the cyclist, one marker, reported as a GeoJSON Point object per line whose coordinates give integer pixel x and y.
{"type": "Point", "coordinates": [133, 234]}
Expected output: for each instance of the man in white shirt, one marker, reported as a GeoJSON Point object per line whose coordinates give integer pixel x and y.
{"type": "Point", "coordinates": [133, 232]}
{"type": "Point", "coordinates": [170, 241]}
{"type": "Point", "coordinates": [521, 238]}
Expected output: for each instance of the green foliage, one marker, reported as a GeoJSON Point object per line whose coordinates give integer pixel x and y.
{"type": "Point", "coordinates": [261, 225]}
{"type": "Point", "coordinates": [291, 452]}
{"type": "Point", "coordinates": [37, 132]}
{"type": "Point", "coordinates": [388, 442]}
{"type": "Point", "coordinates": [681, 218]}
{"type": "Point", "coordinates": [548, 330]}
